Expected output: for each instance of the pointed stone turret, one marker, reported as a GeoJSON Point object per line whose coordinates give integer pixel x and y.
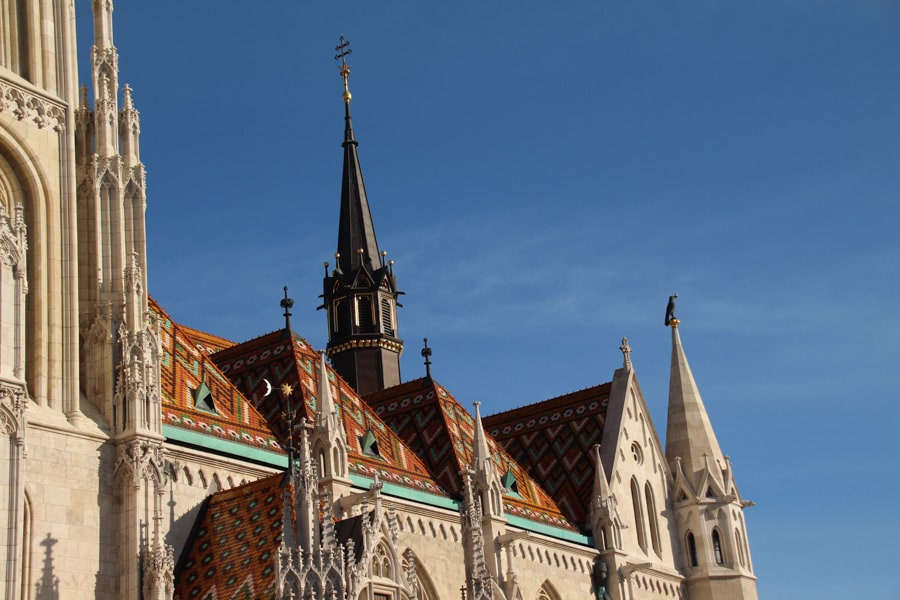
{"type": "Point", "coordinates": [112, 259]}
{"type": "Point", "coordinates": [120, 356]}
{"type": "Point", "coordinates": [708, 507]}
{"type": "Point", "coordinates": [481, 457]}
{"type": "Point", "coordinates": [361, 292]}
{"type": "Point", "coordinates": [329, 440]}
{"type": "Point", "coordinates": [487, 490]}
{"type": "Point", "coordinates": [603, 508]}
{"type": "Point", "coordinates": [486, 477]}
{"type": "Point", "coordinates": [689, 433]}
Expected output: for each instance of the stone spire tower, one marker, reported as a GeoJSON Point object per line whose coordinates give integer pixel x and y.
{"type": "Point", "coordinates": [120, 345]}
{"type": "Point", "coordinates": [111, 232]}
{"type": "Point", "coordinates": [361, 292]}
{"type": "Point", "coordinates": [708, 507]}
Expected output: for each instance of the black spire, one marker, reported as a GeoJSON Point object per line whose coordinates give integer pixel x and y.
{"type": "Point", "coordinates": [356, 232]}
{"type": "Point", "coordinates": [361, 292]}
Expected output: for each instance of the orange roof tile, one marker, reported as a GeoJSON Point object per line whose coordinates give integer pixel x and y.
{"type": "Point", "coordinates": [233, 548]}
{"type": "Point", "coordinates": [184, 367]}
{"type": "Point", "coordinates": [280, 358]}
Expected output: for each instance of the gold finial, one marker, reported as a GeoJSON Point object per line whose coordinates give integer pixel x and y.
{"type": "Point", "coordinates": [343, 52]}
{"type": "Point", "coordinates": [286, 390]}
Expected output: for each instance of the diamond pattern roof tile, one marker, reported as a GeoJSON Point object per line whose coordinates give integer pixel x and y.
{"type": "Point", "coordinates": [552, 440]}
{"type": "Point", "coordinates": [434, 424]}
{"type": "Point", "coordinates": [233, 549]}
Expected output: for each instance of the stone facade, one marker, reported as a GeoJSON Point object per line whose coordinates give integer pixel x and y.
{"type": "Point", "coordinates": [114, 485]}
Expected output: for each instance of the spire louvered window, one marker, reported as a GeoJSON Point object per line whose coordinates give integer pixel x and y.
{"type": "Point", "coordinates": [365, 314]}
{"type": "Point", "coordinates": [387, 317]}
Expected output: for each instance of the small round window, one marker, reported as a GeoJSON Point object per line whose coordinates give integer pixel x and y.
{"type": "Point", "coordinates": [636, 453]}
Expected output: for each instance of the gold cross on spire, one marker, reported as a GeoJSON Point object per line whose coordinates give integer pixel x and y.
{"type": "Point", "coordinates": [343, 52]}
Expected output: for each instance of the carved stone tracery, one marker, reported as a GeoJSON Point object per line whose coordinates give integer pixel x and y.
{"type": "Point", "coordinates": [27, 106]}
{"type": "Point", "coordinates": [141, 460]}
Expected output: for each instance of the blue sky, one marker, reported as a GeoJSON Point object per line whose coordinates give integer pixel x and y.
{"type": "Point", "coordinates": [544, 176]}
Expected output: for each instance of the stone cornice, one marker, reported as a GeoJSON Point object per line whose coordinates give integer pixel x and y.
{"type": "Point", "coordinates": [392, 345]}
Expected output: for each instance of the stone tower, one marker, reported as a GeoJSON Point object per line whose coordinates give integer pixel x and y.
{"type": "Point", "coordinates": [709, 511]}
{"type": "Point", "coordinates": [120, 360]}
{"type": "Point", "coordinates": [111, 231]}
{"type": "Point", "coordinates": [361, 292]}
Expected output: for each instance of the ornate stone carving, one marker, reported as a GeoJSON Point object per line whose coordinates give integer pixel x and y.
{"type": "Point", "coordinates": [27, 106]}
{"type": "Point", "coordinates": [158, 566]}
{"type": "Point", "coordinates": [480, 584]}
{"type": "Point", "coordinates": [12, 409]}
{"type": "Point", "coordinates": [143, 460]}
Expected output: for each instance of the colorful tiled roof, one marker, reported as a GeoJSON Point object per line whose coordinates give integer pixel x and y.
{"type": "Point", "coordinates": [552, 440]}
{"type": "Point", "coordinates": [207, 343]}
{"type": "Point", "coordinates": [185, 367]}
{"type": "Point", "coordinates": [234, 546]}
{"type": "Point", "coordinates": [430, 420]}
{"type": "Point", "coordinates": [280, 358]}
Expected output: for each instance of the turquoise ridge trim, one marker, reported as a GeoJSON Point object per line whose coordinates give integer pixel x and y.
{"type": "Point", "coordinates": [280, 461]}
{"type": "Point", "coordinates": [228, 447]}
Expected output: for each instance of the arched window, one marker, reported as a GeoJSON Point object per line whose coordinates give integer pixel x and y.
{"type": "Point", "coordinates": [381, 562]}
{"type": "Point", "coordinates": [638, 515]}
{"type": "Point", "coordinates": [547, 592]}
{"type": "Point", "coordinates": [604, 538]}
{"type": "Point", "coordinates": [739, 546]}
{"type": "Point", "coordinates": [717, 547]}
{"type": "Point", "coordinates": [651, 517]}
{"type": "Point", "coordinates": [323, 465]}
{"type": "Point", "coordinates": [692, 549]}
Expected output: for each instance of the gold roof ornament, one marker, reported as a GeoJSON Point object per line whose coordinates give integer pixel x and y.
{"type": "Point", "coordinates": [344, 51]}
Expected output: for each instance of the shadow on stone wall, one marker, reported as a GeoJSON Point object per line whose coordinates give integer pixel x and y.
{"type": "Point", "coordinates": [48, 586]}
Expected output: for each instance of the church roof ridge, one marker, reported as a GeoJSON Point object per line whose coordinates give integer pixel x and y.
{"type": "Point", "coordinates": [572, 396]}
{"type": "Point", "coordinates": [198, 334]}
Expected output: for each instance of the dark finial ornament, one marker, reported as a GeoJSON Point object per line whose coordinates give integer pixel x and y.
{"type": "Point", "coordinates": [671, 321]}
{"type": "Point", "coordinates": [426, 354]}
{"type": "Point", "coordinates": [290, 417]}
{"type": "Point", "coordinates": [287, 304]}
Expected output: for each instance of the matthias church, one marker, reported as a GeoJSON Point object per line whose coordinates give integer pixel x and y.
{"type": "Point", "coordinates": [145, 459]}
